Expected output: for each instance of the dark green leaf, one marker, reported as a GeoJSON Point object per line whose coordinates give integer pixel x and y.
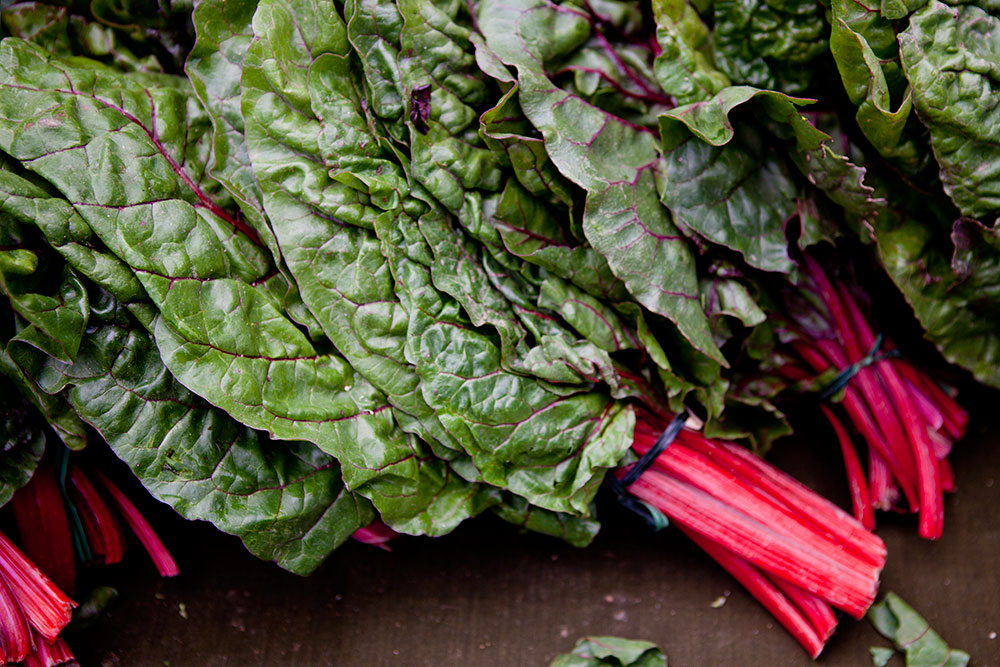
{"type": "Point", "coordinates": [284, 500]}
{"type": "Point", "coordinates": [617, 163]}
{"type": "Point", "coordinates": [949, 55]}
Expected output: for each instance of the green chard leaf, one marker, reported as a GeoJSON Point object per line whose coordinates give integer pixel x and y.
{"type": "Point", "coordinates": [528, 229]}
{"type": "Point", "coordinates": [623, 219]}
{"type": "Point", "coordinates": [769, 44]}
{"type": "Point", "coordinates": [612, 652]}
{"type": "Point", "coordinates": [685, 68]}
{"type": "Point", "coordinates": [215, 69]}
{"type": "Point", "coordinates": [550, 447]}
{"type": "Point", "coordinates": [284, 500]}
{"type": "Point", "coordinates": [950, 57]}
{"type": "Point", "coordinates": [578, 531]}
{"type": "Point", "coordinates": [899, 622]}
{"type": "Point", "coordinates": [22, 441]}
{"type": "Point", "coordinates": [103, 140]}
{"type": "Point", "coordinates": [864, 47]}
{"type": "Point", "coordinates": [728, 181]}
{"type": "Point", "coordinates": [954, 297]}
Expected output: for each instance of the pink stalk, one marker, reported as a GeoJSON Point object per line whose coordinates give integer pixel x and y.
{"type": "Point", "coordinates": [164, 562]}
{"type": "Point", "coordinates": [956, 419]}
{"type": "Point", "coordinates": [929, 488]}
{"type": "Point", "coordinates": [823, 514]}
{"type": "Point", "coordinates": [819, 613]}
{"type": "Point", "coordinates": [765, 592]}
{"type": "Point", "coordinates": [947, 476]}
{"type": "Point", "coordinates": [848, 589]}
{"type": "Point", "coordinates": [895, 424]}
{"type": "Point", "coordinates": [40, 514]}
{"type": "Point", "coordinates": [104, 532]}
{"type": "Point", "coordinates": [928, 411]}
{"type": "Point", "coordinates": [694, 469]}
{"type": "Point", "coordinates": [46, 608]}
{"type": "Point", "coordinates": [376, 534]}
{"type": "Point", "coordinates": [49, 654]}
{"type": "Point", "coordinates": [855, 475]}
{"type": "Point", "coordinates": [881, 490]}
{"type": "Point", "coordinates": [857, 408]}
{"type": "Point", "coordinates": [940, 444]}
{"type": "Point", "coordinates": [15, 639]}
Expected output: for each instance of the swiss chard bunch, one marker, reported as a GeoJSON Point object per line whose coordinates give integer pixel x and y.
{"type": "Point", "coordinates": [405, 261]}
{"type": "Point", "coordinates": [907, 420]}
{"type": "Point", "coordinates": [356, 256]}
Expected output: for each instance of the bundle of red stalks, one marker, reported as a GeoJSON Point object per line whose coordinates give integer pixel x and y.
{"type": "Point", "coordinates": [34, 589]}
{"type": "Point", "coordinates": [906, 419]}
{"type": "Point", "coordinates": [797, 553]}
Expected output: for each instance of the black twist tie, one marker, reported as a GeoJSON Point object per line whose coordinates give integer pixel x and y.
{"type": "Point", "coordinates": [846, 375]}
{"type": "Point", "coordinates": [619, 486]}
{"type": "Point", "coordinates": [76, 529]}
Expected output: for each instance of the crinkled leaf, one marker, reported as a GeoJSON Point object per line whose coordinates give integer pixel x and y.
{"type": "Point", "coordinates": [549, 447]}
{"type": "Point", "coordinates": [578, 531]}
{"type": "Point", "coordinates": [864, 74]}
{"type": "Point", "coordinates": [320, 221]}
{"type": "Point", "coordinates": [22, 442]}
{"type": "Point", "coordinates": [529, 230]}
{"type": "Point", "coordinates": [285, 500]}
{"type": "Point", "coordinates": [908, 630]}
{"type": "Point", "coordinates": [69, 234]}
{"type": "Point", "coordinates": [594, 320]}
{"type": "Point", "coordinates": [728, 181]}
{"type": "Point", "coordinates": [958, 312]}
{"type": "Point", "coordinates": [769, 44]}
{"type": "Point", "coordinates": [950, 56]}
{"type": "Point", "coordinates": [220, 328]}
{"type": "Point", "coordinates": [20, 363]}
{"type": "Point", "coordinates": [55, 322]}
{"type": "Point", "coordinates": [62, 31]}
{"type": "Point", "coordinates": [215, 67]}
{"type": "Point", "coordinates": [616, 162]}
{"type": "Point", "coordinates": [373, 28]}
{"type": "Point", "coordinates": [685, 68]}
{"type": "Point", "coordinates": [506, 130]}
{"type": "Point", "coordinates": [44, 24]}
{"type": "Point", "coordinates": [612, 652]}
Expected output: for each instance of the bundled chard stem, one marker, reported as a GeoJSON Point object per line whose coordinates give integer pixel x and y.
{"type": "Point", "coordinates": [796, 552]}
{"type": "Point", "coordinates": [376, 534]}
{"type": "Point", "coordinates": [908, 422]}
{"type": "Point", "coordinates": [34, 609]}
{"type": "Point", "coordinates": [164, 562]}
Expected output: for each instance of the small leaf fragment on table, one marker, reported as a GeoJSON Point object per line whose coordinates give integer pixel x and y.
{"type": "Point", "coordinates": [612, 652]}
{"type": "Point", "coordinates": [911, 634]}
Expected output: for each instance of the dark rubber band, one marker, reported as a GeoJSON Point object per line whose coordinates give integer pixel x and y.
{"type": "Point", "coordinates": [76, 529]}
{"type": "Point", "coordinates": [654, 517]}
{"type": "Point", "coordinates": [846, 375]}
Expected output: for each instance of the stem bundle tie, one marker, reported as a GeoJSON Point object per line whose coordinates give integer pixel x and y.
{"type": "Point", "coordinates": [619, 486]}
{"type": "Point", "coordinates": [846, 375]}
{"type": "Point", "coordinates": [76, 528]}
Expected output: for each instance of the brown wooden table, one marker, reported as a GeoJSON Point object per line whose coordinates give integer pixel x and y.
{"type": "Point", "coordinates": [487, 595]}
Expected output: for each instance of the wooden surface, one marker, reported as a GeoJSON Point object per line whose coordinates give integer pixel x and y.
{"type": "Point", "coordinates": [487, 595]}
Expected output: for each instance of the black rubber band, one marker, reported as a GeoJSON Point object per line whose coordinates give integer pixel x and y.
{"type": "Point", "coordinates": [76, 529]}
{"type": "Point", "coordinates": [619, 486]}
{"type": "Point", "coordinates": [847, 374]}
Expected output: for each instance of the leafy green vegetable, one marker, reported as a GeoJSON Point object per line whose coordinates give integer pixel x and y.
{"type": "Point", "coordinates": [22, 443]}
{"type": "Point", "coordinates": [431, 256]}
{"type": "Point", "coordinates": [911, 634]}
{"type": "Point", "coordinates": [949, 55]}
{"type": "Point", "coordinates": [612, 652]}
